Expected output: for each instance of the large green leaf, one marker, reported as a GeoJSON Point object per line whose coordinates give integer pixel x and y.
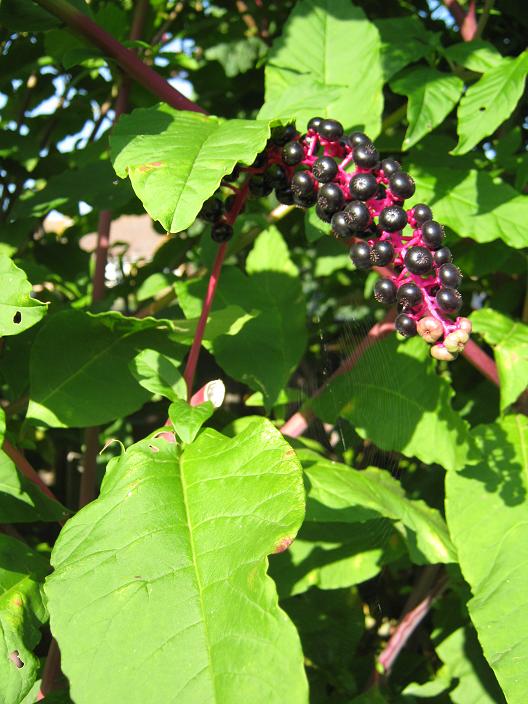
{"type": "Point", "coordinates": [394, 397]}
{"type": "Point", "coordinates": [404, 40]}
{"type": "Point", "coordinates": [22, 612]}
{"type": "Point", "coordinates": [476, 55]}
{"type": "Point", "coordinates": [176, 159]}
{"type": "Point", "coordinates": [490, 101]}
{"type": "Point", "coordinates": [168, 566]}
{"type": "Point", "coordinates": [509, 339]}
{"type": "Point", "coordinates": [432, 95]}
{"type": "Point", "coordinates": [299, 102]}
{"type": "Point", "coordinates": [237, 56]}
{"type": "Point", "coordinates": [18, 311]}
{"type": "Point", "coordinates": [332, 42]}
{"type": "Point", "coordinates": [474, 204]}
{"type": "Point", "coordinates": [487, 515]}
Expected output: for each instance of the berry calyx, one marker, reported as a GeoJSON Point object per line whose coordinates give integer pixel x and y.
{"type": "Point", "coordinates": [418, 260]}
{"type": "Point", "coordinates": [385, 291]}
{"type": "Point", "coordinates": [430, 329]}
{"type": "Point", "coordinates": [405, 325]}
{"type": "Point", "coordinates": [366, 156]}
{"type": "Point", "coordinates": [449, 300]}
{"type": "Point", "coordinates": [409, 295]}
{"type": "Point", "coordinates": [324, 169]}
{"type": "Point", "coordinates": [292, 153]}
{"type": "Point", "coordinates": [402, 185]}
{"type": "Point", "coordinates": [433, 234]}
{"type": "Point", "coordinates": [363, 186]}
{"type": "Point", "coordinates": [330, 198]}
{"type": "Point", "coordinates": [360, 254]}
{"type": "Point", "coordinates": [393, 218]}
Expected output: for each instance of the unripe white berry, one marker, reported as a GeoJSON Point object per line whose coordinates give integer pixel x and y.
{"type": "Point", "coordinates": [456, 340]}
{"type": "Point", "coordinates": [465, 325]}
{"type": "Point", "coordinates": [440, 352]}
{"type": "Point", "coordinates": [430, 328]}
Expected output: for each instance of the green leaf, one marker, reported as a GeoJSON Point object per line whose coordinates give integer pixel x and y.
{"type": "Point", "coordinates": [187, 420]}
{"type": "Point", "coordinates": [159, 374]}
{"type": "Point", "coordinates": [300, 102]}
{"type": "Point", "coordinates": [474, 204]}
{"type": "Point", "coordinates": [176, 159]}
{"type": "Point", "coordinates": [432, 95]}
{"type": "Point", "coordinates": [88, 380]}
{"type": "Point", "coordinates": [238, 56]}
{"type": "Point", "coordinates": [332, 42]}
{"type": "Point", "coordinates": [22, 612]}
{"type": "Point", "coordinates": [337, 493]}
{"type": "Point", "coordinates": [490, 101]}
{"type": "Point", "coordinates": [394, 397]}
{"type": "Point", "coordinates": [509, 339]}
{"type": "Point", "coordinates": [18, 311]}
{"type": "Point", "coordinates": [486, 508]}
{"type": "Point", "coordinates": [25, 16]}
{"type": "Point", "coordinates": [404, 40]}
{"type": "Point", "coordinates": [477, 55]}
{"type": "Point", "coordinates": [173, 555]}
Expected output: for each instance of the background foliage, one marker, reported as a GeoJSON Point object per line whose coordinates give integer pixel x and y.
{"type": "Point", "coordinates": [407, 492]}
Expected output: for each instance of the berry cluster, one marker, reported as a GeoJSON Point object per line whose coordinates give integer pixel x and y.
{"type": "Point", "coordinates": [362, 198]}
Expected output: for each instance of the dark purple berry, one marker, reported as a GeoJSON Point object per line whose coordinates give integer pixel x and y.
{"type": "Point", "coordinates": [322, 213]}
{"type": "Point", "coordinates": [292, 153]}
{"type": "Point", "coordinates": [433, 234]}
{"type": "Point", "coordinates": [358, 138]}
{"type": "Point", "coordinates": [366, 156]}
{"type": "Point", "coordinates": [443, 256]}
{"type": "Point", "coordinates": [330, 197]}
{"type": "Point", "coordinates": [358, 215]}
{"type": "Point", "coordinates": [211, 210]}
{"type": "Point", "coordinates": [393, 218]}
{"type": "Point", "coordinates": [331, 130]}
{"type": "Point", "coordinates": [284, 196]}
{"type": "Point", "coordinates": [363, 186]}
{"type": "Point", "coordinates": [449, 300]}
{"type": "Point", "coordinates": [409, 295]}
{"type": "Point", "coordinates": [281, 135]}
{"type": "Point", "coordinates": [405, 325]}
{"type": "Point", "coordinates": [341, 225]}
{"type": "Point", "coordinates": [385, 291]}
{"type": "Point", "coordinates": [418, 260]}
{"type": "Point", "coordinates": [390, 166]}
{"type": "Point", "coordinates": [360, 253]}
{"type": "Point", "coordinates": [402, 185]}
{"type": "Point", "coordinates": [450, 276]}
{"type": "Point", "coordinates": [382, 253]}
{"type": "Point", "coordinates": [324, 169]}
{"type": "Point", "coordinates": [302, 183]}
{"type": "Point", "coordinates": [422, 213]}
{"type": "Point", "coordinates": [260, 185]}
{"type": "Point", "coordinates": [221, 232]}
{"type": "Point", "coordinates": [305, 201]}
{"type": "Point", "coordinates": [315, 123]}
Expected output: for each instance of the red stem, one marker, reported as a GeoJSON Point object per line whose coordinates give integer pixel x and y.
{"type": "Point", "coordinates": [101, 254]}
{"type": "Point", "coordinates": [26, 469]}
{"type": "Point", "coordinates": [129, 62]}
{"type": "Point", "coordinates": [466, 21]}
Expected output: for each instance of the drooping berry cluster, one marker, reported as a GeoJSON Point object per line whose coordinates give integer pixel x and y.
{"type": "Point", "coordinates": [362, 198]}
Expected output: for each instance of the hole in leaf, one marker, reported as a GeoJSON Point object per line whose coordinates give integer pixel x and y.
{"type": "Point", "coordinates": [482, 109]}
{"type": "Point", "coordinates": [15, 658]}
{"type": "Point", "coordinates": [17, 318]}
{"type": "Point", "coordinates": [154, 448]}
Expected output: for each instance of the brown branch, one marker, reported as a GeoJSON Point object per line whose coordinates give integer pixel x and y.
{"type": "Point", "coordinates": [26, 469]}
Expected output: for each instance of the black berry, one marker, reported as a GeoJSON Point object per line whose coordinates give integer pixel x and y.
{"type": "Point", "coordinates": [324, 169]}
{"type": "Point", "coordinates": [385, 291]}
{"type": "Point", "coordinates": [443, 256]}
{"type": "Point", "coordinates": [358, 215]}
{"type": "Point", "coordinates": [302, 183]}
{"type": "Point", "coordinates": [292, 153]}
{"type": "Point", "coordinates": [382, 253]}
{"type": "Point", "coordinates": [363, 186]}
{"type": "Point", "coordinates": [360, 253]}
{"type": "Point", "coordinates": [358, 138]}
{"type": "Point", "coordinates": [305, 201]}
{"type": "Point", "coordinates": [315, 123]}
{"type": "Point", "coordinates": [418, 260]}
{"type": "Point", "coordinates": [433, 234]}
{"type": "Point", "coordinates": [277, 176]}
{"type": "Point", "coordinates": [281, 135]}
{"type": "Point", "coordinates": [449, 275]}
{"type": "Point", "coordinates": [284, 195]}
{"type": "Point", "coordinates": [409, 295]}
{"type": "Point", "coordinates": [402, 185]}
{"type": "Point", "coordinates": [449, 300]}
{"type": "Point", "coordinates": [211, 210]}
{"type": "Point", "coordinates": [260, 185]}
{"type": "Point", "coordinates": [221, 232]}
{"type": "Point", "coordinates": [405, 325]}
{"type": "Point", "coordinates": [322, 213]}
{"type": "Point", "coordinates": [422, 213]}
{"type": "Point", "coordinates": [332, 130]}
{"type": "Point", "coordinates": [341, 225]}
{"type": "Point", "coordinates": [390, 166]}
{"type": "Point", "coordinates": [366, 156]}
{"type": "Point", "coordinates": [330, 197]}
{"type": "Point", "coordinates": [392, 218]}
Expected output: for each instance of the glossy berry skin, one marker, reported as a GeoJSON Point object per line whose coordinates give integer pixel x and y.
{"type": "Point", "coordinates": [449, 300]}
{"type": "Point", "coordinates": [281, 135]}
{"type": "Point", "coordinates": [360, 253]}
{"type": "Point", "coordinates": [393, 218]}
{"type": "Point", "coordinates": [221, 232]}
{"type": "Point", "coordinates": [331, 130]}
{"type": "Point", "coordinates": [363, 186]}
{"type": "Point", "coordinates": [443, 256]}
{"type": "Point", "coordinates": [330, 198]}
{"type": "Point", "coordinates": [402, 185]}
{"type": "Point", "coordinates": [409, 295]}
{"type": "Point", "coordinates": [302, 183]}
{"type": "Point", "coordinates": [260, 185]}
{"type": "Point", "coordinates": [315, 124]}
{"type": "Point", "coordinates": [211, 210]}
{"type": "Point", "coordinates": [418, 260]}
{"type": "Point", "coordinates": [382, 253]}
{"type": "Point", "coordinates": [405, 325]}
{"type": "Point", "coordinates": [450, 276]}
{"type": "Point", "coordinates": [292, 153]}
{"type": "Point", "coordinates": [284, 196]}
{"type": "Point", "coordinates": [390, 167]}
{"type": "Point", "coordinates": [341, 225]}
{"type": "Point", "coordinates": [324, 169]}
{"type": "Point", "coordinates": [358, 215]}
{"type": "Point", "coordinates": [277, 176]}
{"type": "Point", "coordinates": [305, 201]}
{"type": "Point", "coordinates": [422, 213]}
{"type": "Point", "coordinates": [357, 138]}
{"type": "Point", "coordinates": [366, 156]}
{"type": "Point", "coordinates": [385, 291]}
{"type": "Point", "coordinates": [433, 234]}
{"type": "Point", "coordinates": [322, 213]}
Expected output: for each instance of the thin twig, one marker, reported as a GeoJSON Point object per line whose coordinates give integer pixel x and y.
{"type": "Point", "coordinates": [26, 469]}
{"type": "Point", "coordinates": [484, 17]}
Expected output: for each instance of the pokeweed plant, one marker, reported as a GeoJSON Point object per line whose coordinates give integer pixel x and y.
{"type": "Point", "coordinates": [226, 476]}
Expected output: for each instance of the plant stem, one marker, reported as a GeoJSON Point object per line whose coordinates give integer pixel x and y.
{"type": "Point", "coordinates": [466, 21]}
{"type": "Point", "coordinates": [26, 469]}
{"type": "Point", "coordinates": [51, 670]}
{"type": "Point", "coordinates": [484, 17]}
{"type": "Point", "coordinates": [127, 59]}
{"type": "Point", "coordinates": [101, 254]}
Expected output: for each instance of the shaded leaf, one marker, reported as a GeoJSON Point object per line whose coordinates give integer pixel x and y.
{"type": "Point", "coordinates": [238, 56]}
{"type": "Point", "coordinates": [477, 55]}
{"type": "Point", "coordinates": [159, 374]}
